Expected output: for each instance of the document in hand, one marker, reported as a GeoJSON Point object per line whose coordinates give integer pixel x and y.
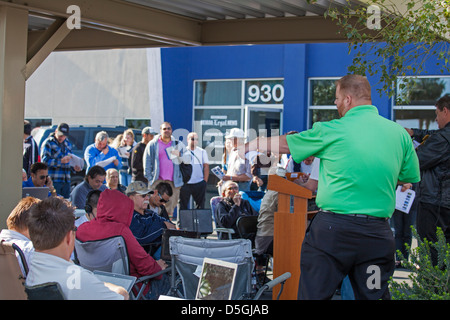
{"type": "Point", "coordinates": [76, 161]}
{"type": "Point", "coordinates": [404, 199]}
{"type": "Point", "coordinates": [218, 172]}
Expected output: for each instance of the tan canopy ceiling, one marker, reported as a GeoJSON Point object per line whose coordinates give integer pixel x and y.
{"type": "Point", "coordinates": [150, 23]}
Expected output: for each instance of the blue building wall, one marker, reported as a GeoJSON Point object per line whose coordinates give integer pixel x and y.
{"type": "Point", "coordinates": [293, 62]}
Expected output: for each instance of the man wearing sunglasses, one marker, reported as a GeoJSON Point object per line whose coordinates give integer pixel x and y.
{"type": "Point", "coordinates": [147, 226]}
{"type": "Point", "coordinates": [39, 178]}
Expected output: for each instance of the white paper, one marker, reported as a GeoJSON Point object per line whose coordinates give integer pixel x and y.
{"type": "Point", "coordinates": [170, 155]}
{"type": "Point", "coordinates": [404, 200]}
{"type": "Point", "coordinates": [218, 172]}
{"type": "Point", "coordinates": [105, 162]}
{"type": "Point", "coordinates": [123, 152]}
{"type": "Point", "coordinates": [76, 161]}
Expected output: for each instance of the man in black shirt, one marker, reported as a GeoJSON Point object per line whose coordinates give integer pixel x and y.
{"type": "Point", "coordinates": [137, 153]}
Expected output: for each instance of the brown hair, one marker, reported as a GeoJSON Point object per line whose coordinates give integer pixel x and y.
{"type": "Point", "coordinates": [443, 102]}
{"type": "Point", "coordinates": [17, 219]}
{"type": "Point", "coordinates": [355, 84]}
{"type": "Point", "coordinates": [49, 221]}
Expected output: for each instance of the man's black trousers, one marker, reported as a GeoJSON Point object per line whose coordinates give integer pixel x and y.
{"type": "Point", "coordinates": [198, 192]}
{"type": "Point", "coordinates": [337, 245]}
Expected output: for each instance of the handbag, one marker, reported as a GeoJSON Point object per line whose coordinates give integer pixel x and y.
{"type": "Point", "coordinates": [186, 170]}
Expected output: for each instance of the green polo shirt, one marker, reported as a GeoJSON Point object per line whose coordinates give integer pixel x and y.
{"type": "Point", "coordinates": [362, 157]}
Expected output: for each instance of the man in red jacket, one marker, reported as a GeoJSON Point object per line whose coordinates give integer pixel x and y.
{"type": "Point", "coordinates": [114, 214]}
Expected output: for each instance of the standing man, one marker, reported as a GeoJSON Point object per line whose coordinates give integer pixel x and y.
{"type": "Point", "coordinates": [351, 234]}
{"type": "Point", "coordinates": [158, 167]}
{"type": "Point", "coordinates": [433, 208]}
{"type": "Point", "coordinates": [56, 153]}
{"type": "Point", "coordinates": [99, 153]}
{"type": "Point", "coordinates": [30, 148]}
{"type": "Point", "coordinates": [196, 186]}
{"type": "Point", "coordinates": [137, 154]}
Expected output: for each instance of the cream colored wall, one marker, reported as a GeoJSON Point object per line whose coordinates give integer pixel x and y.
{"type": "Point", "coordinates": [100, 87]}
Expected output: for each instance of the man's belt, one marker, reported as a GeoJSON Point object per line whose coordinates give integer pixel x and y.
{"type": "Point", "coordinates": [362, 216]}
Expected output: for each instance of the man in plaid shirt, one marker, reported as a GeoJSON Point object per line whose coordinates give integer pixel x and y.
{"type": "Point", "coordinates": [56, 153]}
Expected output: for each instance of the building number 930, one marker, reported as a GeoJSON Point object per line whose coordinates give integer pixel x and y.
{"type": "Point", "coordinates": [270, 92]}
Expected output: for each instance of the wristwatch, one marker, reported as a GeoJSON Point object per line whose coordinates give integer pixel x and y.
{"type": "Point", "coordinates": [231, 178]}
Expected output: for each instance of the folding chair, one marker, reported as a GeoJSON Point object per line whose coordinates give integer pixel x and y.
{"type": "Point", "coordinates": [188, 254]}
{"type": "Point", "coordinates": [110, 255]}
{"type": "Point", "coordinates": [254, 197]}
{"type": "Point", "coordinates": [45, 291]}
{"type": "Point", "coordinates": [11, 278]}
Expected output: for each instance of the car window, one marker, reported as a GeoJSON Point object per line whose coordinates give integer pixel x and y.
{"type": "Point", "coordinates": [77, 139]}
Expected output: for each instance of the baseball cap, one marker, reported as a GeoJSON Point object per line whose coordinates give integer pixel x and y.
{"type": "Point", "coordinates": [63, 129]}
{"type": "Point", "coordinates": [138, 187]}
{"type": "Point", "coordinates": [149, 130]}
{"type": "Point", "coordinates": [235, 133]}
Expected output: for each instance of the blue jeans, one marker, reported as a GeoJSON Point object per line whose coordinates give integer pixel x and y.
{"type": "Point", "coordinates": [125, 179]}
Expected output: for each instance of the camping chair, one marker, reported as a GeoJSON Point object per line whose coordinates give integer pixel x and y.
{"type": "Point", "coordinates": [220, 231]}
{"type": "Point", "coordinates": [12, 280]}
{"type": "Point", "coordinates": [45, 291]}
{"type": "Point", "coordinates": [254, 197]}
{"type": "Point", "coordinates": [110, 255]}
{"type": "Point", "coordinates": [187, 254]}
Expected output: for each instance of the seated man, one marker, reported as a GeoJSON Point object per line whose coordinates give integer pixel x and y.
{"type": "Point", "coordinates": [92, 181]}
{"type": "Point", "coordinates": [232, 206]}
{"type": "Point", "coordinates": [158, 199]}
{"type": "Point", "coordinates": [114, 215]}
{"type": "Point", "coordinates": [90, 207]}
{"type": "Point", "coordinates": [39, 178]}
{"type": "Point", "coordinates": [17, 231]}
{"type": "Point", "coordinates": [112, 180]}
{"type": "Point", "coordinates": [147, 226]}
{"type": "Point", "coordinates": [52, 231]}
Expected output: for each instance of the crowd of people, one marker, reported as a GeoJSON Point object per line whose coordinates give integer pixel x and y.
{"type": "Point", "coordinates": [132, 189]}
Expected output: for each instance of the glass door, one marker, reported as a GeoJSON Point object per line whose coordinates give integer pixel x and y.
{"type": "Point", "coordinates": [263, 121]}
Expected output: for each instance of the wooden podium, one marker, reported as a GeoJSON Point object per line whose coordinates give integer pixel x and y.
{"type": "Point", "coordinates": [290, 222]}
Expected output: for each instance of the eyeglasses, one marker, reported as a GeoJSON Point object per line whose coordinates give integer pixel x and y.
{"type": "Point", "coordinates": [194, 139]}
{"type": "Point", "coordinates": [144, 195]}
{"type": "Point", "coordinates": [43, 177]}
{"type": "Point", "coordinates": [161, 198]}
{"type": "Point", "coordinates": [164, 129]}
{"type": "Point", "coordinates": [233, 188]}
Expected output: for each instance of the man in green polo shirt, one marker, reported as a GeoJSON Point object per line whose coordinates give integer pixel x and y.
{"type": "Point", "coordinates": [363, 157]}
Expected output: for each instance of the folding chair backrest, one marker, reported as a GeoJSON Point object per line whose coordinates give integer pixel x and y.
{"type": "Point", "coordinates": [11, 278]}
{"type": "Point", "coordinates": [45, 291]}
{"type": "Point", "coordinates": [247, 227]}
{"type": "Point", "coordinates": [188, 254]}
{"type": "Point", "coordinates": [213, 202]}
{"type": "Point", "coordinates": [108, 255]}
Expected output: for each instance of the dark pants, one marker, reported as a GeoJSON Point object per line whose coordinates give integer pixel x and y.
{"type": "Point", "coordinates": [62, 189]}
{"type": "Point", "coordinates": [429, 217]}
{"type": "Point", "coordinates": [402, 223]}
{"type": "Point", "coordinates": [197, 191]}
{"type": "Point", "coordinates": [337, 245]}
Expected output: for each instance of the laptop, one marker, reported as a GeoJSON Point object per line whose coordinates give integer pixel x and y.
{"type": "Point", "coordinates": [196, 220]}
{"type": "Point", "coordinates": [216, 280]}
{"type": "Point", "coordinates": [35, 192]}
{"type": "Point", "coordinates": [122, 280]}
